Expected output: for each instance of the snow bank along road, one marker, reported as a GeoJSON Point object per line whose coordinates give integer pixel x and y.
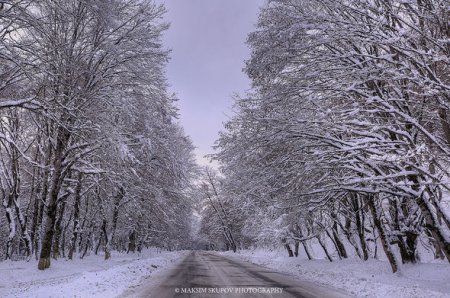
{"type": "Point", "coordinates": [205, 274]}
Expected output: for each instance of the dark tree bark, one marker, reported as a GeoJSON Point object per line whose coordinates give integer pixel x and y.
{"type": "Point", "coordinates": [327, 254]}
{"type": "Point", "coordinates": [57, 179]}
{"type": "Point", "coordinates": [107, 239]}
{"type": "Point", "coordinates": [296, 248]}
{"type": "Point", "coordinates": [76, 218]}
{"type": "Point", "coordinates": [132, 241]}
{"type": "Point", "coordinates": [359, 216]}
{"type": "Point", "coordinates": [383, 237]}
{"type": "Point", "coordinates": [339, 245]}
{"type": "Point", "coordinates": [289, 250]}
{"type": "Point", "coordinates": [432, 224]}
{"type": "Point", "coordinates": [59, 226]}
{"type": "Point", "coordinates": [37, 222]}
{"type": "Point", "coordinates": [7, 204]}
{"type": "Point", "coordinates": [305, 247]}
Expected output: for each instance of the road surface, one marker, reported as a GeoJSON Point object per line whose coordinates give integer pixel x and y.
{"type": "Point", "coordinates": [205, 274]}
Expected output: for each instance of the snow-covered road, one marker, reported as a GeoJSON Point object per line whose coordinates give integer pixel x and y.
{"type": "Point", "coordinates": [205, 274]}
{"type": "Point", "coordinates": [157, 274]}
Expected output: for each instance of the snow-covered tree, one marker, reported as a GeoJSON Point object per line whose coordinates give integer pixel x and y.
{"type": "Point", "coordinates": [91, 155]}
{"type": "Point", "coordinates": [348, 111]}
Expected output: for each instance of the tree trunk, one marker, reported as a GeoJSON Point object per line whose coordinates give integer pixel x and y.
{"type": "Point", "coordinates": [359, 215]}
{"type": "Point", "coordinates": [12, 226]}
{"type": "Point", "coordinates": [132, 242]}
{"type": "Point", "coordinates": [110, 238]}
{"type": "Point", "coordinates": [433, 225]}
{"type": "Point", "coordinates": [339, 245]}
{"type": "Point", "coordinates": [296, 248]}
{"type": "Point", "coordinates": [57, 179]}
{"type": "Point", "coordinates": [141, 243]}
{"type": "Point", "coordinates": [334, 243]}
{"type": "Point", "coordinates": [41, 197]}
{"type": "Point", "coordinates": [38, 207]}
{"type": "Point", "coordinates": [289, 250]}
{"type": "Point", "coordinates": [347, 229]}
{"type": "Point", "coordinates": [305, 247]}
{"type": "Point", "coordinates": [76, 218]}
{"type": "Point", "coordinates": [99, 242]}
{"type": "Point", "coordinates": [322, 244]}
{"type": "Point", "coordinates": [40, 214]}
{"type": "Point", "coordinates": [24, 230]}
{"type": "Point", "coordinates": [88, 243]}
{"type": "Point", "coordinates": [383, 237]}
{"type": "Point", "coordinates": [58, 229]}
{"type": "Point", "coordinates": [107, 248]}
{"type": "Point", "coordinates": [83, 224]}
{"type": "Point", "coordinates": [398, 215]}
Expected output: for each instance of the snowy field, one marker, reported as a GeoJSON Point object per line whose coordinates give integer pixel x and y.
{"type": "Point", "coordinates": [371, 278]}
{"type": "Point", "coordinates": [90, 277]}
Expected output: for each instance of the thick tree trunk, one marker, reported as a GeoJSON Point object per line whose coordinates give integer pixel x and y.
{"type": "Point", "coordinates": [434, 226]}
{"type": "Point", "coordinates": [383, 237]}
{"type": "Point", "coordinates": [44, 258]}
{"type": "Point", "coordinates": [411, 246]}
{"type": "Point", "coordinates": [398, 215]}
{"type": "Point", "coordinates": [57, 179]}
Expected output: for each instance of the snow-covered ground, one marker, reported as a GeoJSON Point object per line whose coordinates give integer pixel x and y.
{"type": "Point", "coordinates": [372, 278]}
{"type": "Point", "coordinates": [90, 277]}
{"type": "Point", "coordinates": [94, 277]}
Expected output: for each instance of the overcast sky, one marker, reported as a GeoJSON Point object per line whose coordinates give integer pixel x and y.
{"type": "Point", "coordinates": [207, 39]}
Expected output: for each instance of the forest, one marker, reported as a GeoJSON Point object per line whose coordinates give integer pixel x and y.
{"type": "Point", "coordinates": [342, 143]}
{"type": "Point", "coordinates": [344, 139]}
{"type": "Point", "coordinates": [91, 156]}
